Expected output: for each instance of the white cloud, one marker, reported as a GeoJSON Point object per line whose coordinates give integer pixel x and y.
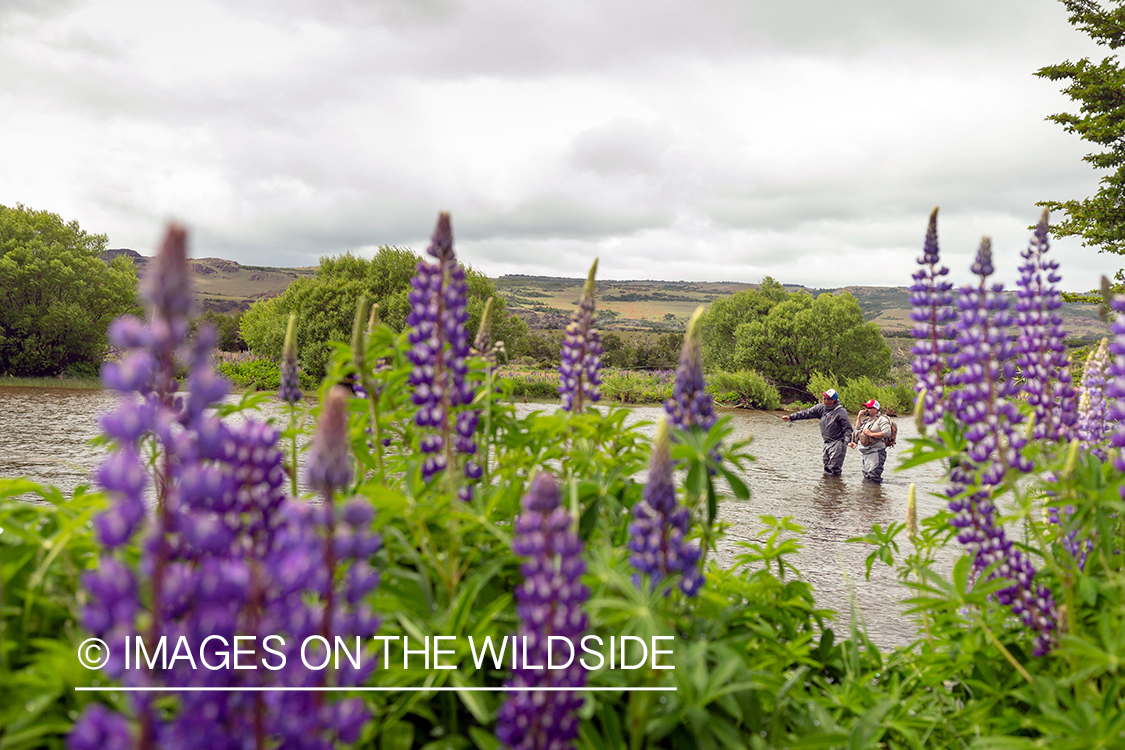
{"type": "Point", "coordinates": [701, 139]}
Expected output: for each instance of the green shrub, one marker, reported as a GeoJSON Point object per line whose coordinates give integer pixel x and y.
{"type": "Point", "coordinates": [744, 388]}
{"type": "Point", "coordinates": [895, 398]}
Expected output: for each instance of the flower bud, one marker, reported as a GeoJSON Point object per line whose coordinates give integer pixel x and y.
{"type": "Point", "coordinates": [911, 515]}
{"type": "Point", "coordinates": [329, 466]}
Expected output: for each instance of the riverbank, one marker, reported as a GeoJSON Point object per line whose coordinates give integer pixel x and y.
{"type": "Point", "coordinates": [59, 382]}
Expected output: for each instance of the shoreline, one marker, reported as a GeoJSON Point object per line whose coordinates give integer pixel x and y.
{"type": "Point", "coordinates": [52, 382]}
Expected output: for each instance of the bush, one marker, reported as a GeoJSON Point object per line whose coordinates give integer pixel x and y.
{"type": "Point", "coordinates": [896, 398]}
{"type": "Point", "coordinates": [745, 388]}
{"type": "Point", "coordinates": [59, 295]}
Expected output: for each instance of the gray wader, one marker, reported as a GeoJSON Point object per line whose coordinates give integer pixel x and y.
{"type": "Point", "coordinates": [834, 452]}
{"type": "Point", "coordinates": [872, 464]}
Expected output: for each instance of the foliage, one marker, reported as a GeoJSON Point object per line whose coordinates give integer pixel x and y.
{"type": "Point", "coordinates": [58, 295]}
{"type": "Point", "coordinates": [326, 304]}
{"type": "Point", "coordinates": [45, 543]}
{"type": "Point", "coordinates": [1099, 90]}
{"type": "Point", "coordinates": [802, 335]}
{"type": "Point", "coordinates": [726, 314]}
{"type": "Point", "coordinates": [745, 388]}
{"type": "Point", "coordinates": [895, 399]}
{"type": "Point", "coordinates": [226, 327]}
{"type": "Point", "coordinates": [757, 663]}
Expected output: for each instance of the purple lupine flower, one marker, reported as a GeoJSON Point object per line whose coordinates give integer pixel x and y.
{"type": "Point", "coordinates": [932, 298]}
{"type": "Point", "coordinates": [1079, 550]}
{"type": "Point", "coordinates": [986, 373]}
{"type": "Point", "coordinates": [1115, 382]}
{"type": "Point", "coordinates": [1093, 410]}
{"type": "Point", "coordinates": [228, 553]}
{"type": "Point", "coordinates": [657, 535]}
{"type": "Point", "coordinates": [549, 603]}
{"type": "Point", "coordinates": [984, 403]}
{"type": "Point", "coordinates": [290, 389]}
{"type": "Point", "coordinates": [1043, 361]}
{"type": "Point", "coordinates": [581, 365]}
{"type": "Point", "coordinates": [975, 515]}
{"type": "Point", "coordinates": [690, 405]}
{"type": "Point", "coordinates": [439, 352]}
{"type": "Point", "coordinates": [100, 729]}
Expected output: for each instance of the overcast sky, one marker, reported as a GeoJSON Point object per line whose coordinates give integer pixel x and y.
{"type": "Point", "coordinates": [674, 139]}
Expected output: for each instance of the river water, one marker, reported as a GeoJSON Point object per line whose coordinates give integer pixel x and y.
{"type": "Point", "coordinates": [45, 435]}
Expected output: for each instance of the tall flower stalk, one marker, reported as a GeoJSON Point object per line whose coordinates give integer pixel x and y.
{"type": "Point", "coordinates": [580, 369]}
{"type": "Point", "coordinates": [658, 533]}
{"type": "Point", "coordinates": [226, 552]}
{"type": "Point", "coordinates": [549, 603]}
{"type": "Point", "coordinates": [984, 402]}
{"type": "Point", "coordinates": [1093, 408]}
{"type": "Point", "coordinates": [439, 352]}
{"type": "Point", "coordinates": [1042, 348]}
{"type": "Point", "coordinates": [691, 405]}
{"type": "Point", "coordinates": [290, 393]}
{"type": "Point", "coordinates": [932, 298]}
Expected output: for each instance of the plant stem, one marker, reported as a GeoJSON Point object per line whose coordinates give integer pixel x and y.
{"type": "Point", "coordinates": [1007, 654]}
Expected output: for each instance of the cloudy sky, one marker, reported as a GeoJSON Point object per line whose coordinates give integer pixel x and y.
{"type": "Point", "coordinates": [674, 139]}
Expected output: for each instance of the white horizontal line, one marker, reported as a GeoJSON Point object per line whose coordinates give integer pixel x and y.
{"type": "Point", "coordinates": [370, 689]}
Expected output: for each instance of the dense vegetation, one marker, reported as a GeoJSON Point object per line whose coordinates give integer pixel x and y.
{"type": "Point", "coordinates": [325, 305]}
{"type": "Point", "coordinates": [57, 297]}
{"type": "Point", "coordinates": [787, 336]}
{"type": "Point", "coordinates": [757, 663]}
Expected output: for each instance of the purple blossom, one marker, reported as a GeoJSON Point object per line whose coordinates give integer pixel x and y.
{"type": "Point", "coordinates": [580, 369]}
{"type": "Point", "coordinates": [985, 372]}
{"type": "Point", "coordinates": [932, 298]}
{"type": "Point", "coordinates": [1043, 361]}
{"type": "Point", "coordinates": [657, 535]}
{"type": "Point", "coordinates": [1078, 550]}
{"type": "Point", "coordinates": [1093, 409]}
{"type": "Point", "coordinates": [439, 352]}
{"type": "Point", "coordinates": [549, 603]}
{"type": "Point", "coordinates": [225, 553]}
{"type": "Point", "coordinates": [1115, 382]}
{"type": "Point", "coordinates": [690, 405]}
{"type": "Point", "coordinates": [982, 359]}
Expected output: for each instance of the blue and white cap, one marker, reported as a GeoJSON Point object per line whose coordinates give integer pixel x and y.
{"type": "Point", "coordinates": [831, 393]}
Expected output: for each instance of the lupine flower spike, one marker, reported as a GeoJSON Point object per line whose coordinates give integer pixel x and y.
{"type": "Point", "coordinates": [932, 298]}
{"type": "Point", "coordinates": [290, 390]}
{"type": "Point", "coordinates": [440, 347]}
{"type": "Point", "coordinates": [1115, 383]}
{"type": "Point", "coordinates": [657, 535]}
{"type": "Point", "coordinates": [580, 369]}
{"type": "Point", "coordinates": [549, 603]}
{"type": "Point", "coordinates": [982, 358]}
{"type": "Point", "coordinates": [228, 552]}
{"type": "Point", "coordinates": [690, 405]}
{"type": "Point", "coordinates": [1042, 348]}
{"type": "Point", "coordinates": [1093, 410]}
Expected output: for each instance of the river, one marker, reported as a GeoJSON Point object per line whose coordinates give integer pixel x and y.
{"type": "Point", "coordinates": [45, 435]}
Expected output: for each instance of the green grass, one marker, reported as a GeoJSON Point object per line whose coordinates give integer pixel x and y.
{"type": "Point", "coordinates": [51, 382]}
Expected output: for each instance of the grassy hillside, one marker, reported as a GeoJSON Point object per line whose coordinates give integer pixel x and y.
{"type": "Point", "coordinates": [225, 286]}
{"type": "Point", "coordinates": [546, 302]}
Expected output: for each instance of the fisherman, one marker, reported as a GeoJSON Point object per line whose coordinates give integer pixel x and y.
{"type": "Point", "coordinates": [835, 428]}
{"type": "Point", "coordinates": [872, 429]}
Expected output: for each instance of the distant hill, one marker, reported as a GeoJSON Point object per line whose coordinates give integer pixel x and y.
{"type": "Point", "coordinates": [224, 285]}
{"type": "Point", "coordinates": [546, 302]}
